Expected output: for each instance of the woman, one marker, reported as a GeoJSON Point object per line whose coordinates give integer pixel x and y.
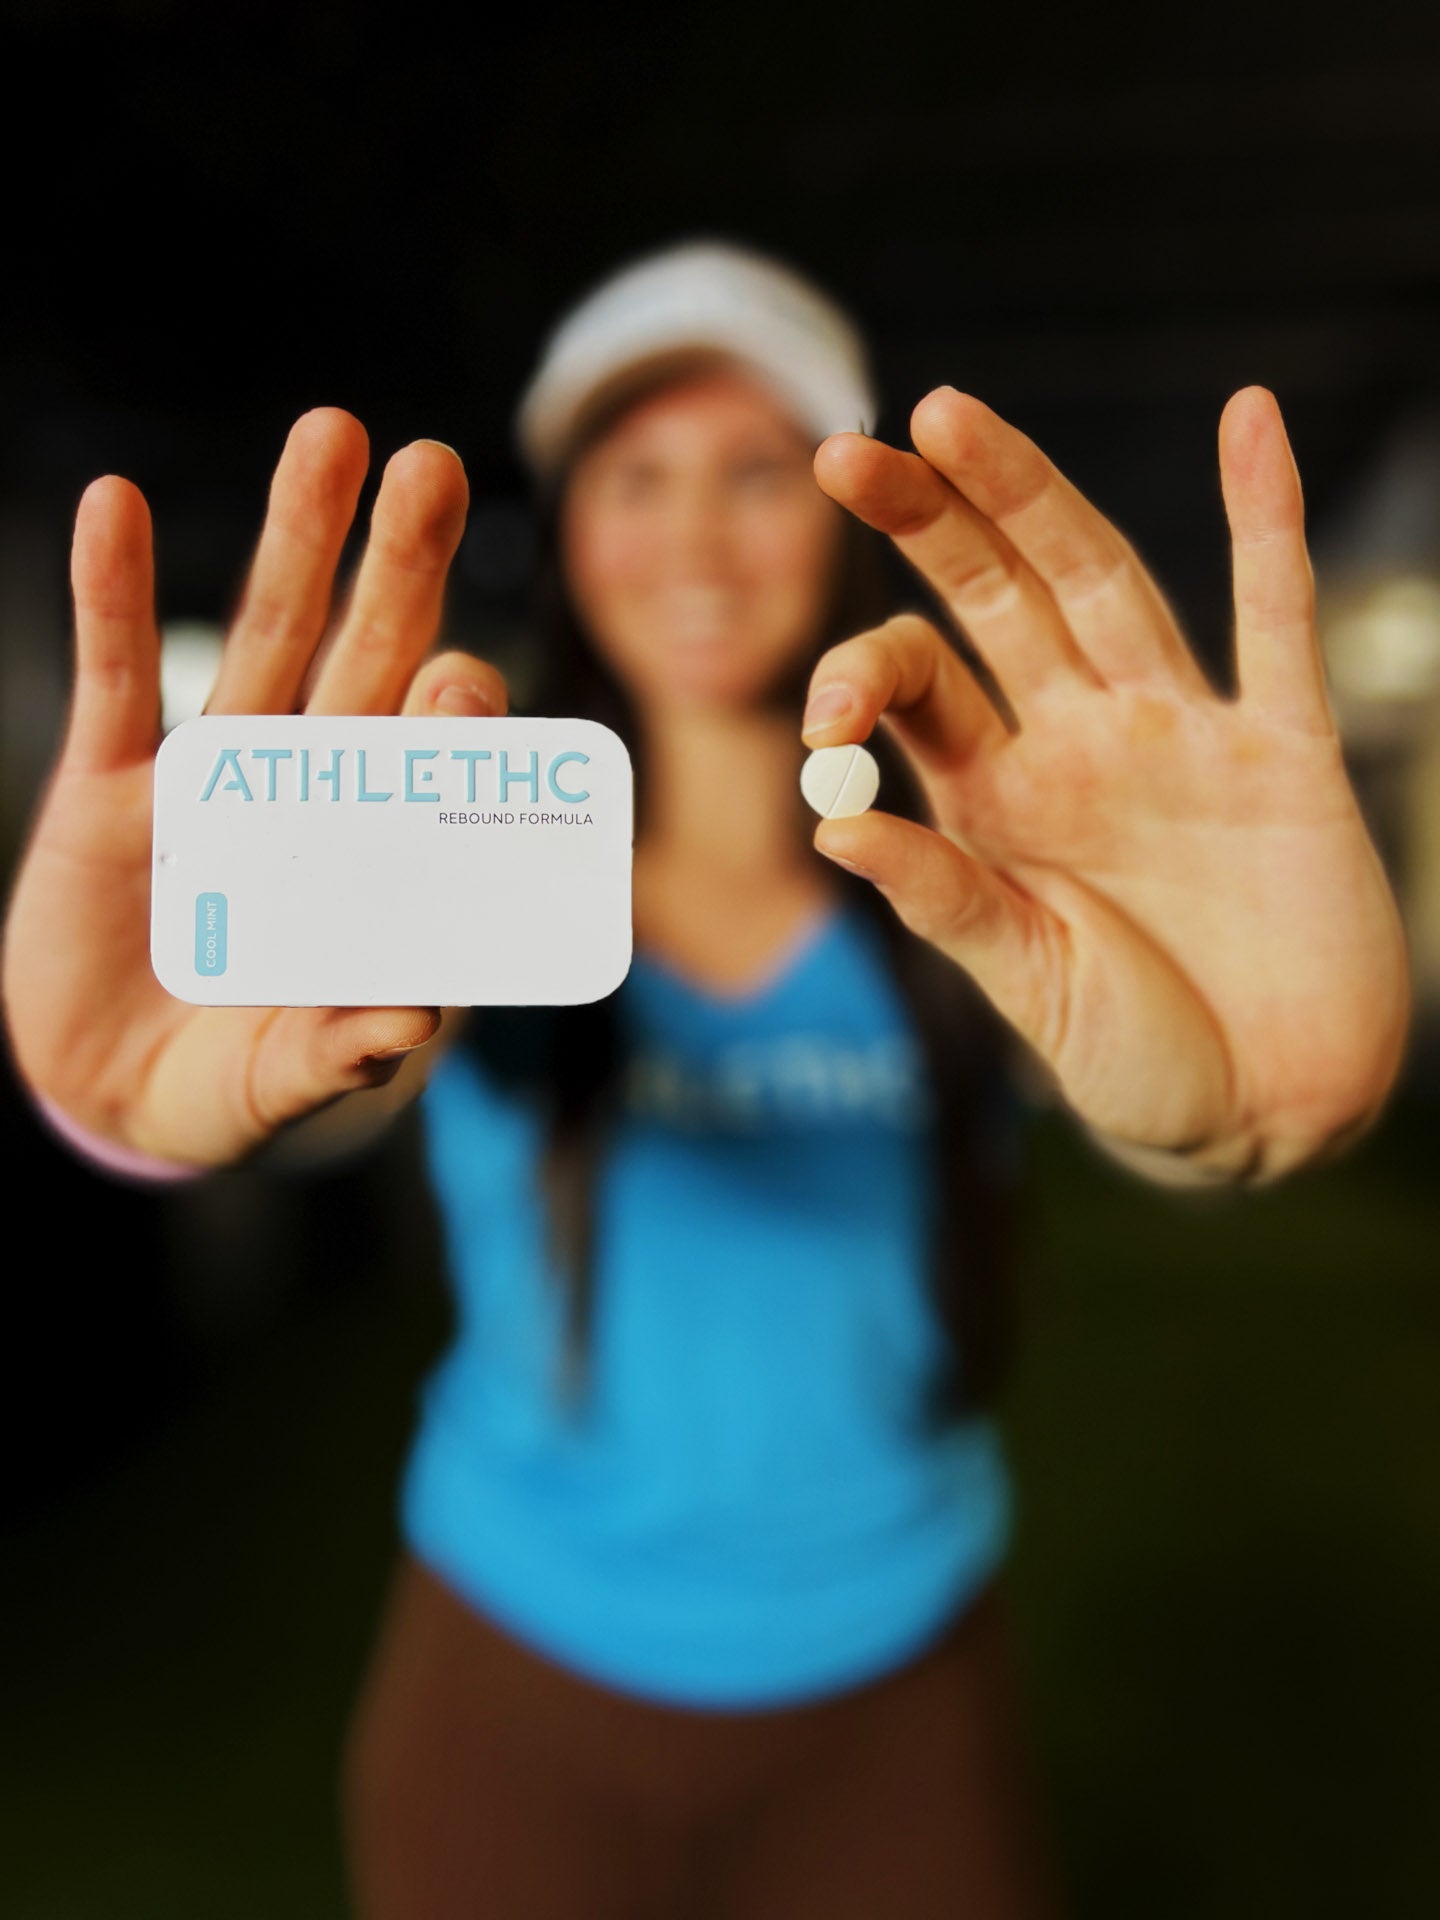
{"type": "Point", "coordinates": [707, 1621]}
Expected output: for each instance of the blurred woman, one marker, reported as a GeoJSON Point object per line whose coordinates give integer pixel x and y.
{"type": "Point", "coordinates": [698, 1610]}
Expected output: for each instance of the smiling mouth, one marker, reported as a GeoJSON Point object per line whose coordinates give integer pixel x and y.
{"type": "Point", "coordinates": [693, 619]}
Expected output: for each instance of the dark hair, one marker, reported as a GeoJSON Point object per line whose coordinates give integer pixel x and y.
{"type": "Point", "coordinates": [568, 1059]}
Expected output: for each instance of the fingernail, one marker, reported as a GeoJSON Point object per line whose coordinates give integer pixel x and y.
{"type": "Point", "coordinates": [825, 705]}
{"type": "Point", "coordinates": [440, 443]}
{"type": "Point", "coordinates": [464, 701]}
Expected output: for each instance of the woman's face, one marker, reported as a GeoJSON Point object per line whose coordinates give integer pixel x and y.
{"type": "Point", "coordinates": [699, 551]}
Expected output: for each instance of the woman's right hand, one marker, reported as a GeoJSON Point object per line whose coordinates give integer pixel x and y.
{"type": "Point", "coordinates": [91, 1028]}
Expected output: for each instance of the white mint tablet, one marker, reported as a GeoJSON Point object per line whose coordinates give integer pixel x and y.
{"type": "Point", "coordinates": [840, 781]}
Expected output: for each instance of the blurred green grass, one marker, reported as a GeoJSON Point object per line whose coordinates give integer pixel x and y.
{"type": "Point", "coordinates": [1227, 1436]}
{"type": "Point", "coordinates": [1226, 1431]}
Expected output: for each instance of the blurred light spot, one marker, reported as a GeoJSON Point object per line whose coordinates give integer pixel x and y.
{"type": "Point", "coordinates": [189, 661]}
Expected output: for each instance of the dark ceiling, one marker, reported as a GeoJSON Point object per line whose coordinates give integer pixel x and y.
{"type": "Point", "coordinates": [1103, 228]}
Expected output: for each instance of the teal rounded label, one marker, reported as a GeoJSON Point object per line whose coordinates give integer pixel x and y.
{"type": "Point", "coordinates": [212, 933]}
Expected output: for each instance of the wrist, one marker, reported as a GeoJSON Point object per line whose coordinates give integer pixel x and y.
{"type": "Point", "coordinates": [112, 1156]}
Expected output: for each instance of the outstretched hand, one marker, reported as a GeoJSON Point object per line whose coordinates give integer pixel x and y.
{"type": "Point", "coordinates": [1170, 894]}
{"type": "Point", "coordinates": [91, 1027]}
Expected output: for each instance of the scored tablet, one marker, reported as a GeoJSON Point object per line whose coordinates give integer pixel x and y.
{"type": "Point", "coordinates": [840, 781]}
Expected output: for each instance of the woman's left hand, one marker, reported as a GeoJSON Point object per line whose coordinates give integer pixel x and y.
{"type": "Point", "coordinates": [1170, 894]}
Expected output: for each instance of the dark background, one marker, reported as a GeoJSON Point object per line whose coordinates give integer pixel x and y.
{"type": "Point", "coordinates": [1226, 1426]}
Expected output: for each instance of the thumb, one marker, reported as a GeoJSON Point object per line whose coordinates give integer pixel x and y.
{"type": "Point", "coordinates": [1010, 944]}
{"type": "Point", "coordinates": [457, 683]}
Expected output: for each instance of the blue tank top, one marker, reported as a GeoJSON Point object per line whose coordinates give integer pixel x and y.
{"type": "Point", "coordinates": [744, 1511]}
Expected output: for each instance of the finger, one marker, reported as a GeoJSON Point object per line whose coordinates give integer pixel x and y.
{"type": "Point", "coordinates": [907, 672]}
{"type": "Point", "coordinates": [1277, 653]}
{"type": "Point", "coordinates": [305, 1058]}
{"type": "Point", "coordinates": [1107, 599]}
{"type": "Point", "coordinates": [115, 713]}
{"type": "Point", "coordinates": [394, 612]}
{"type": "Point", "coordinates": [287, 596]}
{"type": "Point", "coordinates": [457, 683]}
{"type": "Point", "coordinates": [993, 594]}
{"type": "Point", "coordinates": [1011, 945]}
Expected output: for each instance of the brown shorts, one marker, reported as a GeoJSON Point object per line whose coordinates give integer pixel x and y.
{"type": "Point", "coordinates": [484, 1781]}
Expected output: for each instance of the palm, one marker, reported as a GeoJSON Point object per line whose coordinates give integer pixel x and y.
{"type": "Point", "coordinates": [1171, 895]}
{"type": "Point", "coordinates": [92, 1029]}
{"type": "Point", "coordinates": [101, 1036]}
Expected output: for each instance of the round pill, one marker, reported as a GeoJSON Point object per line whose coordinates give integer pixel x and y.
{"type": "Point", "coordinates": [839, 781]}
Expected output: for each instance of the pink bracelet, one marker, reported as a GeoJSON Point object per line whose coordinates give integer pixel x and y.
{"type": "Point", "coordinates": [124, 1162]}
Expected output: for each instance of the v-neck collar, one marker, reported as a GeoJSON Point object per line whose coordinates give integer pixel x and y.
{"type": "Point", "coordinates": [783, 969]}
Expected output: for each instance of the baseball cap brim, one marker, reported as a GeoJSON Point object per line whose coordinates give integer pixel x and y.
{"type": "Point", "coordinates": [705, 298]}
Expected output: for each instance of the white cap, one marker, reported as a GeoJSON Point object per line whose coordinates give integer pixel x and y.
{"type": "Point", "coordinates": [700, 294]}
